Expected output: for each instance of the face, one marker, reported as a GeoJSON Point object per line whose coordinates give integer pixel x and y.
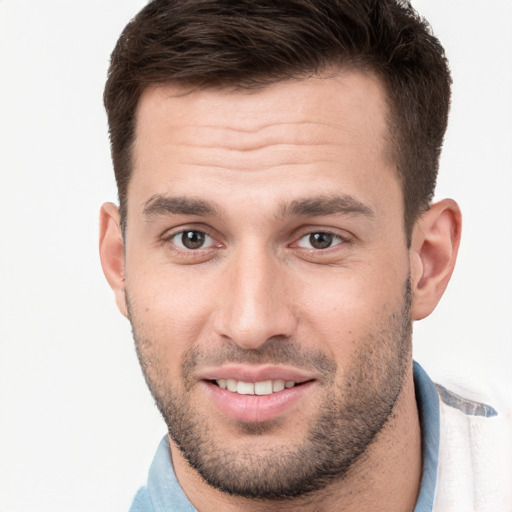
{"type": "Point", "coordinates": [267, 278]}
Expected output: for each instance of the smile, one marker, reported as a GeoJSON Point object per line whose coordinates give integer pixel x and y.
{"type": "Point", "coordinates": [266, 387]}
{"type": "Point", "coordinates": [257, 400]}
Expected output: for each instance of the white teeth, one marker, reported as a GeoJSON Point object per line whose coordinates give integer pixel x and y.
{"type": "Point", "coordinates": [266, 387]}
{"type": "Point", "coordinates": [263, 388]}
{"type": "Point", "coordinates": [278, 385]}
{"type": "Point", "coordinates": [231, 385]}
{"type": "Point", "coordinates": [245, 388]}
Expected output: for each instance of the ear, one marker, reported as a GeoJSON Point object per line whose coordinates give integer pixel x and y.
{"type": "Point", "coordinates": [434, 247]}
{"type": "Point", "coordinates": [112, 252]}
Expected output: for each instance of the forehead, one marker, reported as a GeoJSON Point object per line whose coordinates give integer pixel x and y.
{"type": "Point", "coordinates": [348, 100]}
{"type": "Point", "coordinates": [318, 129]}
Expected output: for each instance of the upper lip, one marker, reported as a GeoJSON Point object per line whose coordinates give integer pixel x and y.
{"type": "Point", "coordinates": [252, 373]}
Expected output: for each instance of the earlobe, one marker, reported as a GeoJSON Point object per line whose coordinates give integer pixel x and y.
{"type": "Point", "coordinates": [112, 252]}
{"type": "Point", "coordinates": [434, 247]}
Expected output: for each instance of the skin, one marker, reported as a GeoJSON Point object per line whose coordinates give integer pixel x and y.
{"type": "Point", "coordinates": [258, 282]}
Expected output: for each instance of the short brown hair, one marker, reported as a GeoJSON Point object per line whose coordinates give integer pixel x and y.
{"type": "Point", "coordinates": [253, 43]}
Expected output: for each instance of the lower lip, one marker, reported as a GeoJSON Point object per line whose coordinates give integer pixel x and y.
{"type": "Point", "coordinates": [256, 408]}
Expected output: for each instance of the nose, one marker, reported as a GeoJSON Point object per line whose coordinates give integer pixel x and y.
{"type": "Point", "coordinates": [256, 302]}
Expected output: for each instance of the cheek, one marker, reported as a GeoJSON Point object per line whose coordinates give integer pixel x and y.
{"type": "Point", "coordinates": [171, 310]}
{"type": "Point", "coordinates": [346, 307]}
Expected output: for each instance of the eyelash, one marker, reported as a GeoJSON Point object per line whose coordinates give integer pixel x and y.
{"type": "Point", "coordinates": [168, 239]}
{"type": "Point", "coordinates": [178, 247]}
{"type": "Point", "coordinates": [337, 239]}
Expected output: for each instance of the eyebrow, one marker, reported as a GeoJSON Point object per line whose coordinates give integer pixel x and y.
{"type": "Point", "coordinates": [164, 205]}
{"type": "Point", "coordinates": [307, 207]}
{"type": "Point", "coordinates": [326, 205]}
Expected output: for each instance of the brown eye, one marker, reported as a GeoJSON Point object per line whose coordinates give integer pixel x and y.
{"type": "Point", "coordinates": [319, 240]}
{"type": "Point", "coordinates": [193, 239]}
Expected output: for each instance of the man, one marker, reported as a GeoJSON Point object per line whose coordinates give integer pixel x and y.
{"type": "Point", "coordinates": [275, 238]}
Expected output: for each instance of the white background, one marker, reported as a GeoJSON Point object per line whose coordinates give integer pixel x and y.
{"type": "Point", "coordinates": [78, 428]}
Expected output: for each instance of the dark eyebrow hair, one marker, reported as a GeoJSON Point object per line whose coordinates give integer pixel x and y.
{"type": "Point", "coordinates": [326, 205]}
{"type": "Point", "coordinates": [307, 207]}
{"type": "Point", "coordinates": [164, 205]}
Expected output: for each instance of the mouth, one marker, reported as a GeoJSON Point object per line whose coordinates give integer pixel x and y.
{"type": "Point", "coordinates": [255, 395]}
{"type": "Point", "coordinates": [261, 388]}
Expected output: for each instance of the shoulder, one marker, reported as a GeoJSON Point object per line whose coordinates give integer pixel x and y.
{"type": "Point", "coordinates": [142, 501]}
{"type": "Point", "coordinates": [475, 451]}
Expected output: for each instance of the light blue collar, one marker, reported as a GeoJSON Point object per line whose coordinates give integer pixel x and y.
{"type": "Point", "coordinates": [428, 409]}
{"type": "Point", "coordinates": [163, 487]}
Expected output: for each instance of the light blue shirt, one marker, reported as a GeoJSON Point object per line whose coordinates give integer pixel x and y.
{"type": "Point", "coordinates": [164, 494]}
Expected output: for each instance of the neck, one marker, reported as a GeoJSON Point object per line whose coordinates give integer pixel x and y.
{"type": "Point", "coordinates": [386, 477]}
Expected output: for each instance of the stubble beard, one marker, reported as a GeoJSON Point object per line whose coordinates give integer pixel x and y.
{"type": "Point", "coordinates": [354, 411]}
